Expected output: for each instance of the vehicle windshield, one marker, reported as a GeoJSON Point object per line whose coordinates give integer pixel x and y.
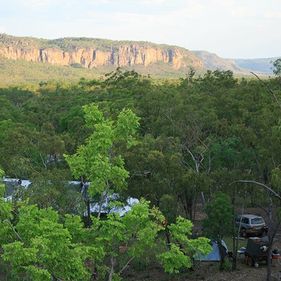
{"type": "Point", "coordinates": [257, 221]}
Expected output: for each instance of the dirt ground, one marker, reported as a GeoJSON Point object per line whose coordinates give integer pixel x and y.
{"type": "Point", "coordinates": [207, 272]}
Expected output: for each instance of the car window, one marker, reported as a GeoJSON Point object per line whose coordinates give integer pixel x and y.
{"type": "Point", "coordinates": [245, 220]}
{"type": "Point", "coordinates": [257, 221]}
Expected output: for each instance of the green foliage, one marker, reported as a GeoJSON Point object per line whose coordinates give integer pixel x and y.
{"type": "Point", "coordinates": [1, 173]}
{"type": "Point", "coordinates": [174, 259]}
{"type": "Point", "coordinates": [96, 160]}
{"type": "Point", "coordinates": [277, 67]}
{"type": "Point", "coordinates": [45, 247]}
{"type": "Point", "coordinates": [182, 248]}
{"type": "Point", "coordinates": [197, 134]}
{"type": "Point", "coordinates": [219, 221]}
{"type": "Point", "coordinates": [55, 193]}
{"type": "Point", "coordinates": [276, 179]}
{"type": "Point", "coordinates": [214, 116]}
{"type": "Point", "coordinates": [41, 247]}
{"type": "Point", "coordinates": [167, 205]}
{"type": "Point", "coordinates": [2, 186]}
{"type": "Point", "coordinates": [137, 231]}
{"type": "Point", "coordinates": [6, 231]}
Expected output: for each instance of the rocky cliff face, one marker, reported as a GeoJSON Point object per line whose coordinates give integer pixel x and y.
{"type": "Point", "coordinates": [128, 54]}
{"type": "Point", "coordinates": [98, 53]}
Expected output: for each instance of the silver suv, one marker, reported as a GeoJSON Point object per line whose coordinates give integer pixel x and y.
{"type": "Point", "coordinates": [251, 225]}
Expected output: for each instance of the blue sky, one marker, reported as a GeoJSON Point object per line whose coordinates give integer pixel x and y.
{"type": "Point", "coordinates": [230, 28]}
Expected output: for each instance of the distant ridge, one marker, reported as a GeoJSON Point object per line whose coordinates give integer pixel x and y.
{"type": "Point", "coordinates": [77, 56]}
{"type": "Point", "coordinates": [261, 65]}
{"type": "Point", "coordinates": [212, 62]}
{"type": "Point", "coordinates": [95, 53]}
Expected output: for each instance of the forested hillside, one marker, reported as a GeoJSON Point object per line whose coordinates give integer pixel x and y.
{"type": "Point", "coordinates": [179, 138]}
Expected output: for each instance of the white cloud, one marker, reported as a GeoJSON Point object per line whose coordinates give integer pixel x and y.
{"type": "Point", "coordinates": [191, 9]}
{"type": "Point", "coordinates": [134, 1]}
{"type": "Point", "coordinates": [273, 15]}
{"type": "Point", "coordinates": [3, 29]}
{"type": "Point", "coordinates": [243, 13]}
{"type": "Point", "coordinates": [40, 3]}
{"type": "Point", "coordinates": [149, 2]}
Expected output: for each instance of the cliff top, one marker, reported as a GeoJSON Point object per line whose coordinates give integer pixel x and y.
{"type": "Point", "coordinates": [70, 43]}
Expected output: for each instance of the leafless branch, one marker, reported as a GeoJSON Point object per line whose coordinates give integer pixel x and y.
{"type": "Point", "coordinates": [194, 159]}
{"type": "Point", "coordinates": [268, 89]}
{"type": "Point", "coordinates": [262, 185]}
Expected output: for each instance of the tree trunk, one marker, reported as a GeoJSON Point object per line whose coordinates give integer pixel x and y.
{"type": "Point", "coordinates": [112, 261]}
{"type": "Point", "coordinates": [271, 236]}
{"type": "Point", "coordinates": [269, 265]}
{"type": "Point", "coordinates": [221, 254]}
{"type": "Point", "coordinates": [235, 233]}
{"type": "Point", "coordinates": [193, 208]}
{"type": "Point", "coordinates": [89, 221]}
{"type": "Point", "coordinates": [167, 233]}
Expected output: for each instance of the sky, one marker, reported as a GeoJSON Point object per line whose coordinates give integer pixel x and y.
{"type": "Point", "coordinates": [229, 28]}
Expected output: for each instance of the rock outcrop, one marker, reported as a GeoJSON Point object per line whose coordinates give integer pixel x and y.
{"type": "Point", "coordinates": [123, 54]}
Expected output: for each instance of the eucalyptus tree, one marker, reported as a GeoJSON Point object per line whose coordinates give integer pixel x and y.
{"type": "Point", "coordinates": [98, 160]}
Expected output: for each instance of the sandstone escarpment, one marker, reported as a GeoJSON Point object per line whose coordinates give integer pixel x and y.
{"type": "Point", "coordinates": [120, 55]}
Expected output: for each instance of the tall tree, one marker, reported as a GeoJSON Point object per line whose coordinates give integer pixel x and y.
{"type": "Point", "coordinates": [98, 160]}
{"type": "Point", "coordinates": [219, 220]}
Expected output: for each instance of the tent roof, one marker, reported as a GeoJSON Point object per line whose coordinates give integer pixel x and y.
{"type": "Point", "coordinates": [214, 255]}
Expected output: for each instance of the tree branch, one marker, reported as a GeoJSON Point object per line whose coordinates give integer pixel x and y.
{"type": "Point", "coordinates": [14, 230]}
{"type": "Point", "coordinates": [126, 265]}
{"type": "Point", "coordinates": [268, 89]}
{"type": "Point", "coordinates": [193, 158]}
{"type": "Point", "coordinates": [262, 185]}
